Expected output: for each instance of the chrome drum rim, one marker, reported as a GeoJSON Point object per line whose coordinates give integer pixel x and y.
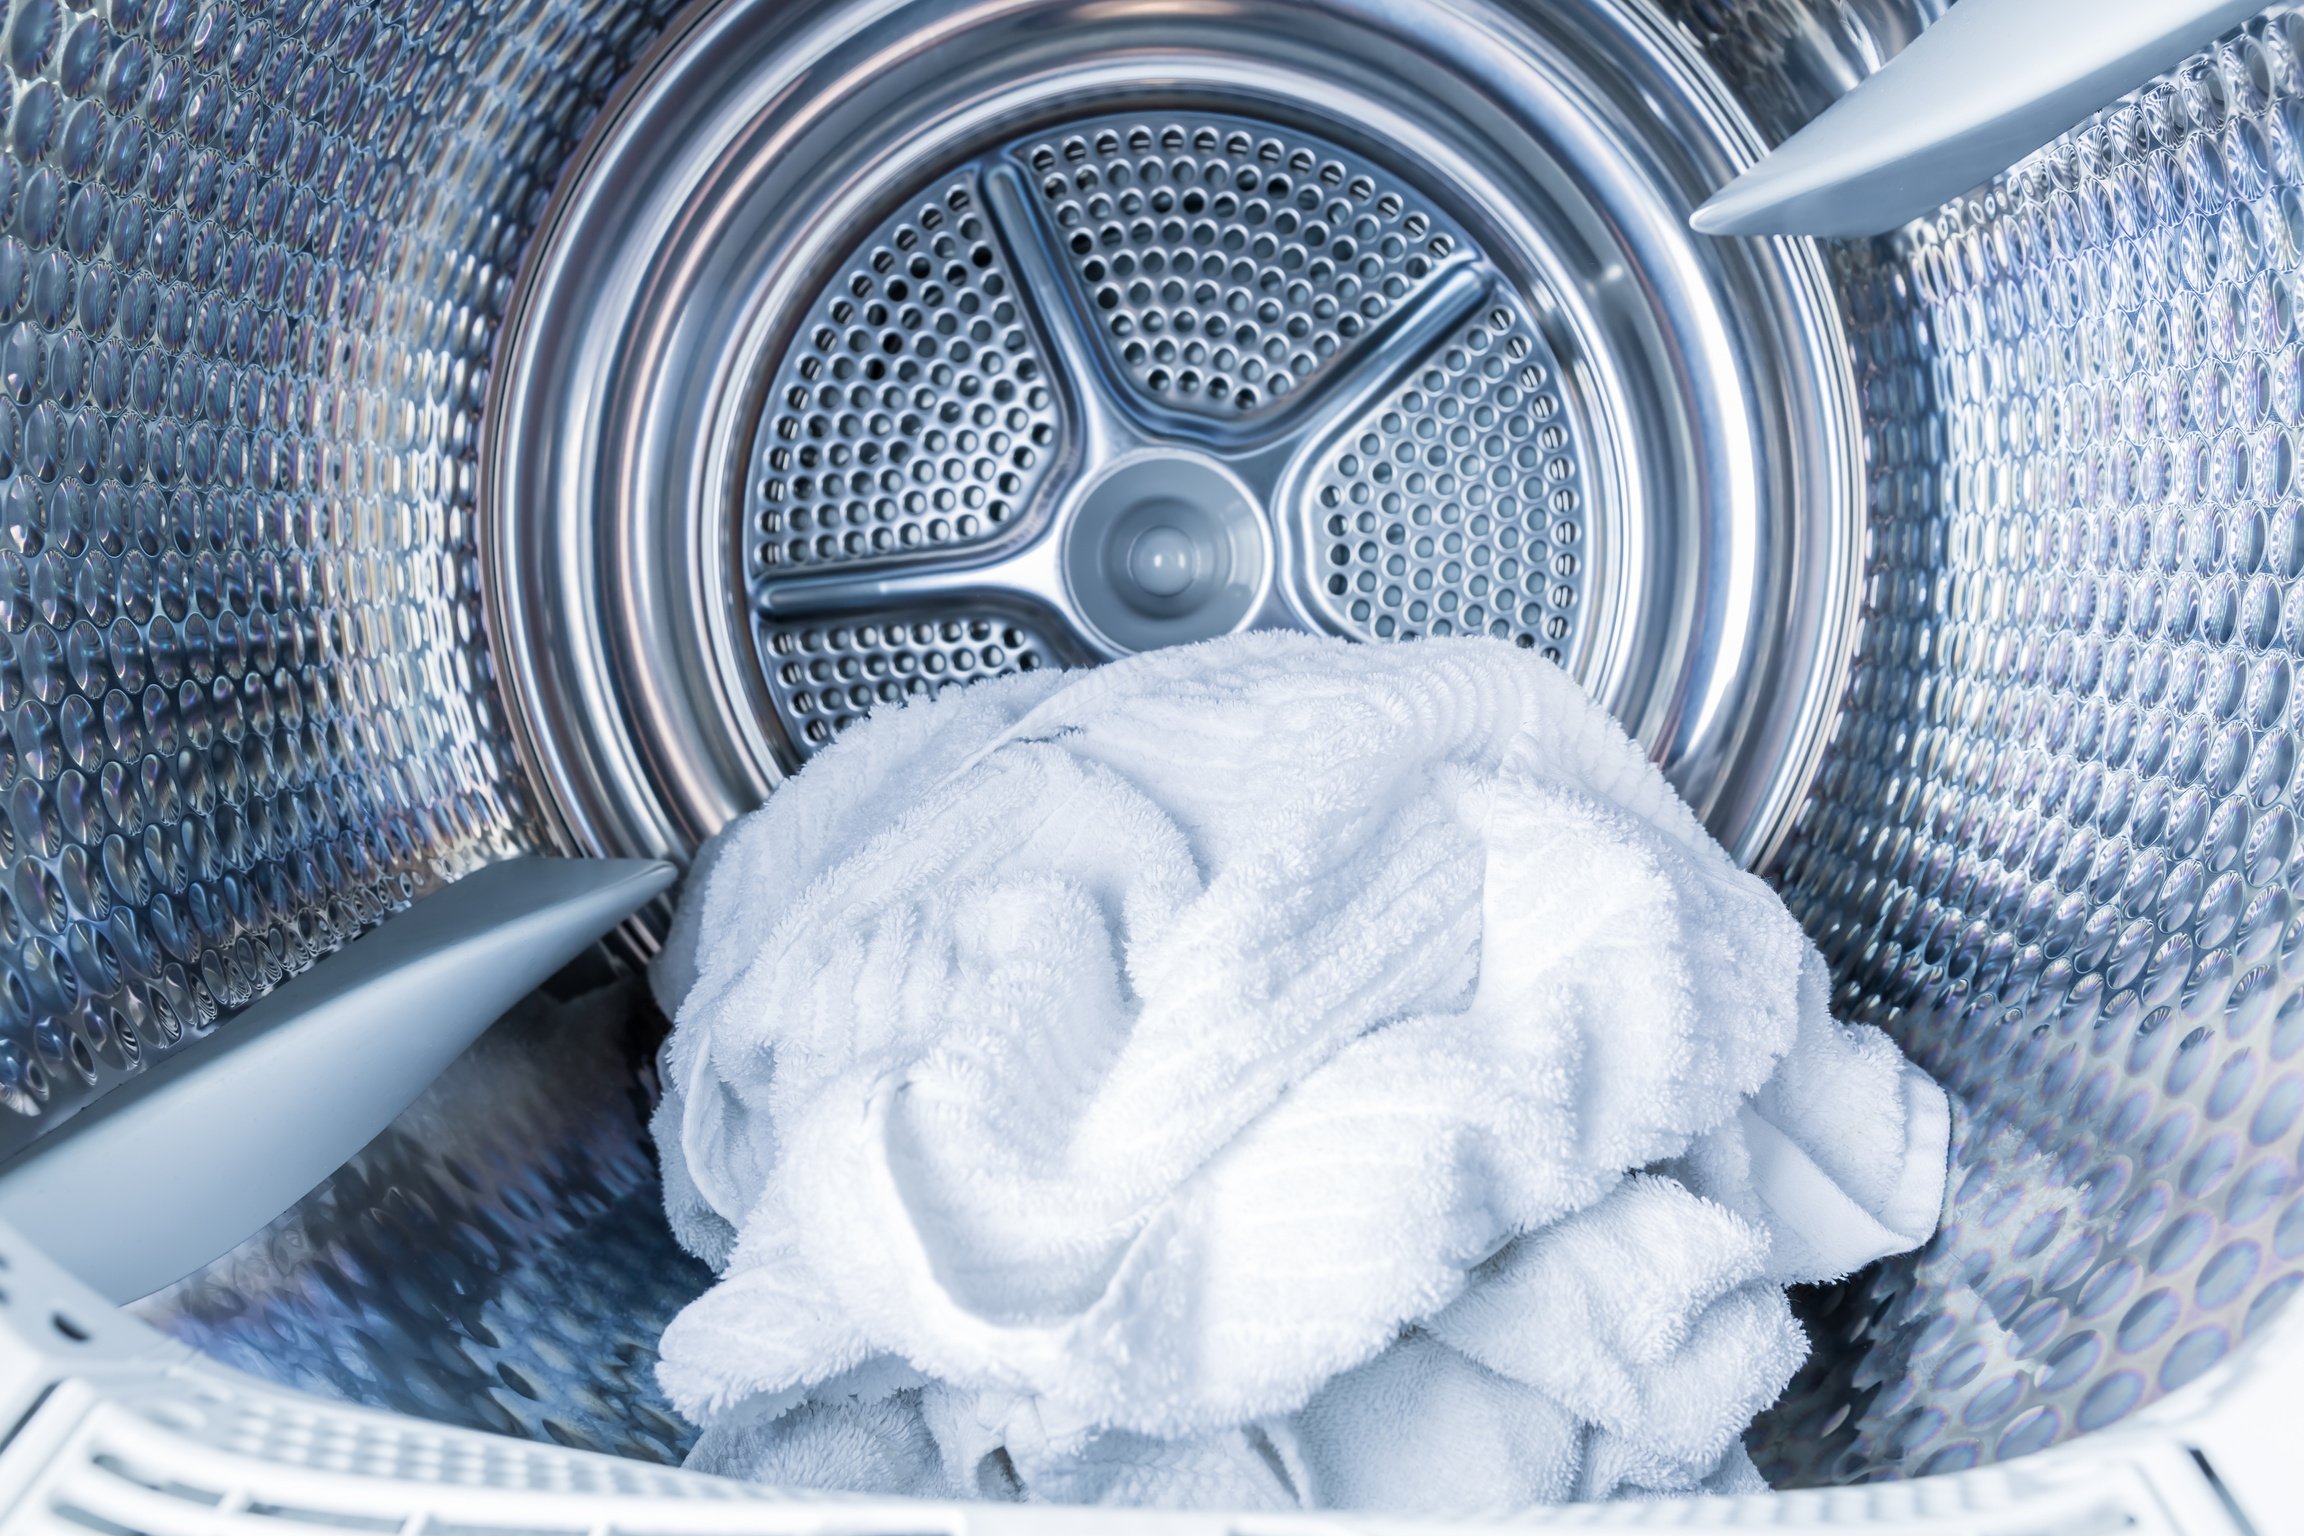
{"type": "Point", "coordinates": [657, 658]}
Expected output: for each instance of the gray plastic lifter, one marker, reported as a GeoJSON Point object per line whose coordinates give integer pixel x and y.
{"type": "Point", "coordinates": [1980, 89]}
{"type": "Point", "coordinates": [177, 1166]}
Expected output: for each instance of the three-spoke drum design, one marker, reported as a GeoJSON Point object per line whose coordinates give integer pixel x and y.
{"type": "Point", "coordinates": [870, 350]}
{"type": "Point", "coordinates": [1144, 381]}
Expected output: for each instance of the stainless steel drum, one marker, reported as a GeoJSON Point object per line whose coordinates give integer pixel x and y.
{"type": "Point", "coordinates": [433, 431]}
{"type": "Point", "coordinates": [866, 352]}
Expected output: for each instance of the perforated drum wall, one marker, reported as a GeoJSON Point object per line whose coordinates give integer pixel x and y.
{"type": "Point", "coordinates": [2052, 843]}
{"type": "Point", "coordinates": [252, 257]}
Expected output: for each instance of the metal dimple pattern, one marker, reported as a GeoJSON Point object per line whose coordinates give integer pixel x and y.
{"type": "Point", "coordinates": [1228, 266]}
{"type": "Point", "coordinates": [251, 258]}
{"type": "Point", "coordinates": [826, 677]}
{"type": "Point", "coordinates": [1459, 506]}
{"type": "Point", "coordinates": [2055, 845]}
{"type": "Point", "coordinates": [913, 414]}
{"type": "Point", "coordinates": [1216, 264]}
{"type": "Point", "coordinates": [497, 1259]}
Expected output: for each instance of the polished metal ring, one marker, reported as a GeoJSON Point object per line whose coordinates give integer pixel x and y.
{"type": "Point", "coordinates": [873, 348]}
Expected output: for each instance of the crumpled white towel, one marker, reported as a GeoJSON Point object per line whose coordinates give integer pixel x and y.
{"type": "Point", "coordinates": [1268, 1073]}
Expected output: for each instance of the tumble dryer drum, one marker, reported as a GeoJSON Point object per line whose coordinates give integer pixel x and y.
{"type": "Point", "coordinates": [446, 443]}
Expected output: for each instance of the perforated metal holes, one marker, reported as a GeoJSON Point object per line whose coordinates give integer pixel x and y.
{"type": "Point", "coordinates": [828, 676]}
{"type": "Point", "coordinates": [1460, 507]}
{"type": "Point", "coordinates": [1230, 265]}
{"type": "Point", "coordinates": [1201, 280]}
{"type": "Point", "coordinates": [913, 414]}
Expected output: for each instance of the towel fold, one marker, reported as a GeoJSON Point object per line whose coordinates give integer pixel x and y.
{"type": "Point", "coordinates": [1265, 1074]}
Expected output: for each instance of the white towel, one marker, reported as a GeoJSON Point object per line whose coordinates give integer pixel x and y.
{"type": "Point", "coordinates": [1223, 1079]}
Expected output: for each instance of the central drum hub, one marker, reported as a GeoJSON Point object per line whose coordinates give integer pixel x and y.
{"type": "Point", "coordinates": [847, 370]}
{"type": "Point", "coordinates": [1165, 547]}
